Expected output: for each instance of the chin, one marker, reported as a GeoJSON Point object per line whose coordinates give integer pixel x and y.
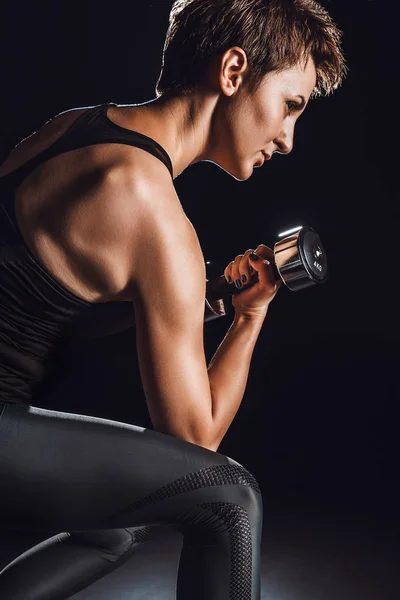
{"type": "Point", "coordinates": [240, 172]}
{"type": "Point", "coordinates": [245, 173]}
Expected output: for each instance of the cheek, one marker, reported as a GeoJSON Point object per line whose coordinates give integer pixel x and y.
{"type": "Point", "coordinates": [268, 120]}
{"type": "Point", "coordinates": [245, 128]}
{"type": "Point", "coordinates": [252, 128]}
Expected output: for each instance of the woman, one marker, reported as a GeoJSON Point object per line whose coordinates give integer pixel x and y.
{"type": "Point", "coordinates": [92, 231]}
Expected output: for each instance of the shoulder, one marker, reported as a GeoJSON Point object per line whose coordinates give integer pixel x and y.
{"type": "Point", "coordinates": [143, 177]}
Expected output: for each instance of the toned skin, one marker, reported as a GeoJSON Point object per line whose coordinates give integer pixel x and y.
{"type": "Point", "coordinates": [123, 235]}
{"type": "Point", "coordinates": [221, 123]}
{"type": "Point", "coordinates": [224, 124]}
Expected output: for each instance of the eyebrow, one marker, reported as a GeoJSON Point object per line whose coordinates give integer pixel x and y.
{"type": "Point", "coordinates": [303, 101]}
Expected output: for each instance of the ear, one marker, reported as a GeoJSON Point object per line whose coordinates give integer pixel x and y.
{"type": "Point", "coordinates": [233, 67]}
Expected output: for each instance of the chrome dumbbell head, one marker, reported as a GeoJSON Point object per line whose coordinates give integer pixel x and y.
{"type": "Point", "coordinates": [300, 261]}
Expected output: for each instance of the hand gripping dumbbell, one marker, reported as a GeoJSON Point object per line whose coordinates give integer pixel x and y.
{"type": "Point", "coordinates": [299, 261]}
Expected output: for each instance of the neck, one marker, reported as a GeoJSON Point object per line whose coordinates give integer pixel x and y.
{"type": "Point", "coordinates": [181, 125]}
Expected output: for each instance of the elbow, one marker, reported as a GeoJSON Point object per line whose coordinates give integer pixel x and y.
{"type": "Point", "coordinates": [202, 441]}
{"type": "Point", "coordinates": [200, 432]}
{"type": "Point", "coordinates": [206, 444]}
{"type": "Point", "coordinates": [205, 441]}
{"type": "Point", "coordinates": [209, 437]}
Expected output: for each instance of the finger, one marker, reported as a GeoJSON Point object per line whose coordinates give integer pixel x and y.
{"type": "Point", "coordinates": [263, 268]}
{"type": "Point", "coordinates": [228, 272]}
{"type": "Point", "coordinates": [236, 274]}
{"type": "Point", "coordinates": [246, 270]}
{"type": "Point", "coordinates": [265, 252]}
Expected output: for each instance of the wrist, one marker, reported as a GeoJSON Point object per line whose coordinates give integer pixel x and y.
{"type": "Point", "coordinates": [250, 315]}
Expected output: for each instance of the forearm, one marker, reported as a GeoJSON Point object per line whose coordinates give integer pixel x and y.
{"type": "Point", "coordinates": [228, 372]}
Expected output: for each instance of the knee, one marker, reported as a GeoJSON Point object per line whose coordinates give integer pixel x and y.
{"type": "Point", "coordinates": [230, 501]}
{"type": "Point", "coordinates": [226, 496]}
{"type": "Point", "coordinates": [236, 506]}
{"type": "Point", "coordinates": [238, 486]}
{"type": "Point", "coordinates": [227, 487]}
{"type": "Point", "coordinates": [232, 473]}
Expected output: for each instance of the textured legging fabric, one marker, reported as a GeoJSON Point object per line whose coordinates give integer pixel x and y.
{"type": "Point", "coordinates": [104, 486]}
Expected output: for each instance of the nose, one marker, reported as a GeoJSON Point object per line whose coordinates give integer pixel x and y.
{"type": "Point", "coordinates": [284, 143]}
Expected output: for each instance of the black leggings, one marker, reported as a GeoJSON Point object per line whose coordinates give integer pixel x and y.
{"type": "Point", "coordinates": [104, 486]}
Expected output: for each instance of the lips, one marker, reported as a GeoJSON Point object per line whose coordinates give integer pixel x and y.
{"type": "Point", "coordinates": [265, 157]}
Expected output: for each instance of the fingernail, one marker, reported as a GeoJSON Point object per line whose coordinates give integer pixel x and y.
{"type": "Point", "coordinates": [251, 270]}
{"type": "Point", "coordinates": [254, 256]}
{"type": "Point", "coordinates": [229, 279]}
{"type": "Point", "coordinates": [238, 283]}
{"type": "Point", "coordinates": [244, 278]}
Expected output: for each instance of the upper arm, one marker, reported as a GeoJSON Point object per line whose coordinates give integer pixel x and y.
{"type": "Point", "coordinates": [168, 290]}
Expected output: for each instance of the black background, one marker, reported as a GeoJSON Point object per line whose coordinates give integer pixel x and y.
{"type": "Point", "coordinates": [319, 420]}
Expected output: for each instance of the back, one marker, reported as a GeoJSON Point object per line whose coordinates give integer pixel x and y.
{"type": "Point", "coordinates": [52, 196]}
{"type": "Point", "coordinates": [42, 309]}
{"type": "Point", "coordinates": [135, 205]}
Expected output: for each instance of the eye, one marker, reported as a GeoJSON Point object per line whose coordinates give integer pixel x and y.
{"type": "Point", "coordinates": [291, 106]}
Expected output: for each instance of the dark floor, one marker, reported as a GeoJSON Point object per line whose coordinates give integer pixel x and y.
{"type": "Point", "coordinates": [306, 555]}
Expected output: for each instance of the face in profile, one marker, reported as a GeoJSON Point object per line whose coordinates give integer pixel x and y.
{"type": "Point", "coordinates": [262, 123]}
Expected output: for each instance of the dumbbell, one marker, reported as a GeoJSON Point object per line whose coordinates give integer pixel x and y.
{"type": "Point", "coordinates": [300, 261]}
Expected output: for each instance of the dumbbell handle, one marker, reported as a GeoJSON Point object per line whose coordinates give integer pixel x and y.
{"type": "Point", "coordinates": [219, 288]}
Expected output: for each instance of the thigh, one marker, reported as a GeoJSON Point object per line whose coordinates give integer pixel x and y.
{"type": "Point", "coordinates": [63, 471]}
